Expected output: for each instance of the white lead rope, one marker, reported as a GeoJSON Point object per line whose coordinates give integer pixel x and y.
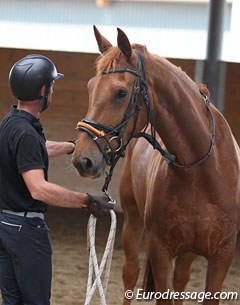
{"type": "Point", "coordinates": [96, 281]}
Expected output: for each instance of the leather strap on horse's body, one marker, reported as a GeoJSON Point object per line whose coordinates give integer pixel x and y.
{"type": "Point", "coordinates": [99, 131]}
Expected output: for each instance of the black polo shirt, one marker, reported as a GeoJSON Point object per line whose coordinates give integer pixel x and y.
{"type": "Point", "coordinates": [22, 148]}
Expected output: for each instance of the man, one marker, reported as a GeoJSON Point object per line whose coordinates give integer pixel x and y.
{"type": "Point", "coordinates": [25, 248]}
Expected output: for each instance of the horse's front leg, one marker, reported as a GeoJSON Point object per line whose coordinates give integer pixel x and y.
{"type": "Point", "coordinates": [131, 233]}
{"type": "Point", "coordinates": [218, 266]}
{"type": "Point", "coordinates": [131, 237]}
{"type": "Point", "coordinates": [161, 261]}
{"type": "Point", "coordinates": [182, 273]}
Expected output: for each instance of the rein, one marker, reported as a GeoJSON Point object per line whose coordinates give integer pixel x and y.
{"type": "Point", "coordinates": [98, 131]}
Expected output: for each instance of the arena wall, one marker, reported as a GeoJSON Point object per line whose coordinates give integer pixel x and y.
{"type": "Point", "coordinates": [70, 102]}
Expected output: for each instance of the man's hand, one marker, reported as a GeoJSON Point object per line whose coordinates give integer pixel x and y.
{"type": "Point", "coordinates": [99, 206]}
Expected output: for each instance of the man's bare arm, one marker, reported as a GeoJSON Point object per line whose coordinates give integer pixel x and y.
{"type": "Point", "coordinates": [51, 193]}
{"type": "Point", "coordinates": [59, 148]}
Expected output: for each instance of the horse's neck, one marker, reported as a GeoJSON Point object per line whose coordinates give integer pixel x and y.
{"type": "Point", "coordinates": [180, 113]}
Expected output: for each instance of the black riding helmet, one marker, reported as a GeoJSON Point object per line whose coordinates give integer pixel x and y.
{"type": "Point", "coordinates": [29, 74]}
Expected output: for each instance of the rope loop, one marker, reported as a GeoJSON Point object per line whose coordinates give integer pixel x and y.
{"type": "Point", "coordinates": [96, 271]}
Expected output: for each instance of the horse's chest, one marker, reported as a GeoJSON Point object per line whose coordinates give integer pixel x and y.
{"type": "Point", "coordinates": [195, 230]}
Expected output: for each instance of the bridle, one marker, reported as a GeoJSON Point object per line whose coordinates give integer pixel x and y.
{"type": "Point", "coordinates": [98, 131]}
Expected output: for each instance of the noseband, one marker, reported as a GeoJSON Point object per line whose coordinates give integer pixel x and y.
{"type": "Point", "coordinates": [98, 131]}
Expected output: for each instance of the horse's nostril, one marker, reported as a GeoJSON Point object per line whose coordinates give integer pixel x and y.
{"type": "Point", "coordinates": [86, 163]}
{"type": "Point", "coordinates": [89, 166]}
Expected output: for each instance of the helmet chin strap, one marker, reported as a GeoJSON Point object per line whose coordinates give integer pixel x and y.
{"type": "Point", "coordinates": [45, 101]}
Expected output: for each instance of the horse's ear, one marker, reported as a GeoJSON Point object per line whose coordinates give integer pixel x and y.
{"type": "Point", "coordinates": [103, 43]}
{"type": "Point", "coordinates": [124, 44]}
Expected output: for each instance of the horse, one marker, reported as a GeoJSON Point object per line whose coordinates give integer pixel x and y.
{"type": "Point", "coordinates": [180, 182]}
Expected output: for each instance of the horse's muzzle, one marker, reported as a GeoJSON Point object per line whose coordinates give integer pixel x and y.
{"type": "Point", "coordinates": [88, 167]}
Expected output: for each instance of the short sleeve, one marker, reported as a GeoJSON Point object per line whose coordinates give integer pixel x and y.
{"type": "Point", "coordinates": [29, 153]}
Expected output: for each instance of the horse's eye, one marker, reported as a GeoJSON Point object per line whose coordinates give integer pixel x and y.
{"type": "Point", "coordinates": [121, 93]}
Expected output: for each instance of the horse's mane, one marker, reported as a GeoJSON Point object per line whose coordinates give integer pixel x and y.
{"type": "Point", "coordinates": [111, 58]}
{"type": "Point", "coordinates": [204, 88]}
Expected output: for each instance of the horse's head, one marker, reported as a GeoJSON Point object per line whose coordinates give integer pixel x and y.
{"type": "Point", "coordinates": [115, 100]}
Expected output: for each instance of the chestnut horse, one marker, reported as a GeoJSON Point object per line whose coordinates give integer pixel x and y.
{"type": "Point", "coordinates": [182, 190]}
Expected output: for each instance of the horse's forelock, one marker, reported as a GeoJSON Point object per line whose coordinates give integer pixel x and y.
{"type": "Point", "coordinates": [111, 58]}
{"type": "Point", "coordinates": [108, 60]}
